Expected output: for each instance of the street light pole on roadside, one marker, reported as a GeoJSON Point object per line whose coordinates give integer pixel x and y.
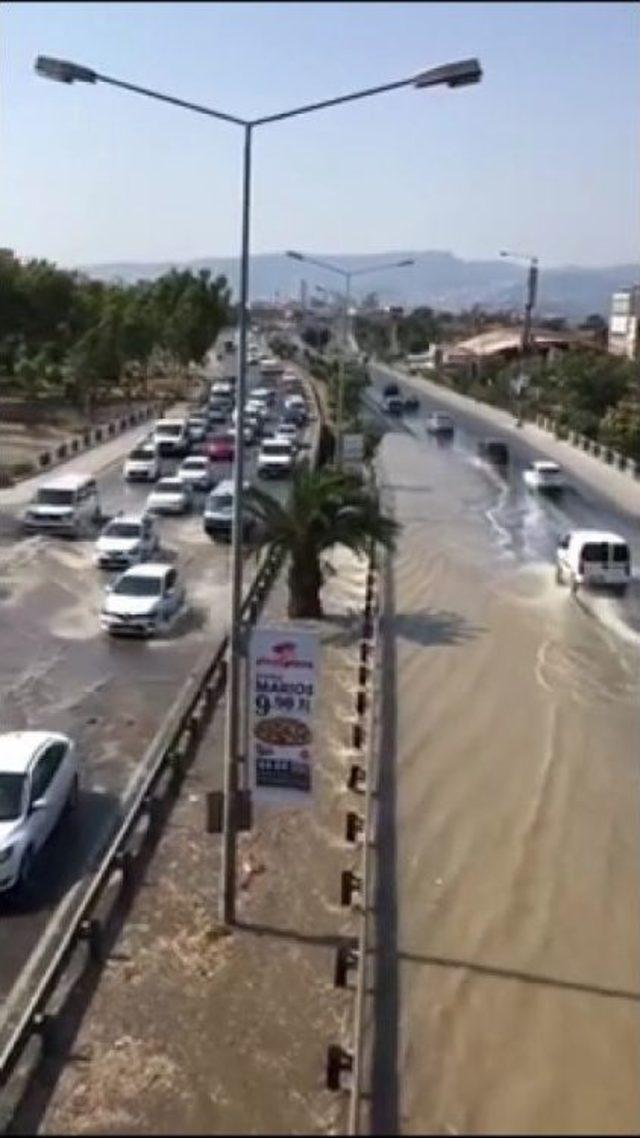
{"type": "Point", "coordinates": [530, 299]}
{"type": "Point", "coordinates": [347, 275]}
{"type": "Point", "coordinates": [459, 74]}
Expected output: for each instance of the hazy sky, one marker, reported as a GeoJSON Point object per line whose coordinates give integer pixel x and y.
{"type": "Point", "coordinates": [542, 156]}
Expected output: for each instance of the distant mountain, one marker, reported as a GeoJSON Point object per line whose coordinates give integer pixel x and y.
{"type": "Point", "coordinates": [438, 279]}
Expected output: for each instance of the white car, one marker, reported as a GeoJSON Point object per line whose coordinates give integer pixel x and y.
{"type": "Point", "coordinates": [593, 557]}
{"type": "Point", "coordinates": [544, 476]}
{"type": "Point", "coordinates": [127, 540]}
{"type": "Point", "coordinates": [38, 782]}
{"type": "Point", "coordinates": [197, 428]}
{"type": "Point", "coordinates": [276, 458]}
{"type": "Point", "coordinates": [144, 600]}
{"type": "Point", "coordinates": [143, 464]}
{"type": "Point", "coordinates": [288, 431]}
{"type": "Point", "coordinates": [196, 472]}
{"type": "Point", "coordinates": [171, 436]}
{"type": "Point", "coordinates": [170, 496]}
{"type": "Point", "coordinates": [439, 423]}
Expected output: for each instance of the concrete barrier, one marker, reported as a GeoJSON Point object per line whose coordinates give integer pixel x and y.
{"type": "Point", "coordinates": [62, 451]}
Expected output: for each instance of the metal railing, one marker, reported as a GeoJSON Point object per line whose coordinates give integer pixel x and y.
{"type": "Point", "coordinates": [362, 780]}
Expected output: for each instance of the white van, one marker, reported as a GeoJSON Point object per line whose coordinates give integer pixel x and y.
{"type": "Point", "coordinates": [593, 557]}
{"type": "Point", "coordinates": [171, 437]}
{"type": "Point", "coordinates": [67, 504]}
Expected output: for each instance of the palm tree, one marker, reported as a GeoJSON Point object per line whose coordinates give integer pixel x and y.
{"type": "Point", "coordinates": [327, 507]}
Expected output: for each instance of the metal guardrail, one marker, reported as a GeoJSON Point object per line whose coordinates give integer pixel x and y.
{"type": "Point", "coordinates": [362, 779]}
{"type": "Point", "coordinates": [26, 1013]}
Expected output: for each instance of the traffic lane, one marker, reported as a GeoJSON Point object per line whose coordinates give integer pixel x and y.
{"type": "Point", "coordinates": [110, 695]}
{"type": "Point", "coordinates": [525, 450]}
{"type": "Point", "coordinates": [580, 505]}
{"type": "Point", "coordinates": [527, 714]}
{"type": "Point", "coordinates": [528, 526]}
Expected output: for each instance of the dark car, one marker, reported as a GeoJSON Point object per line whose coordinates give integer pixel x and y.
{"type": "Point", "coordinates": [393, 405]}
{"type": "Point", "coordinates": [391, 389]}
{"type": "Point", "coordinates": [494, 451]}
{"type": "Point", "coordinates": [412, 404]}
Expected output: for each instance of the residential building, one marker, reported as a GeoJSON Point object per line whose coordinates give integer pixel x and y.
{"type": "Point", "coordinates": [624, 323]}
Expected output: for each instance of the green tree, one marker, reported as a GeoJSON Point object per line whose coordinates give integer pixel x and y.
{"type": "Point", "coordinates": [326, 508]}
{"type": "Point", "coordinates": [620, 427]}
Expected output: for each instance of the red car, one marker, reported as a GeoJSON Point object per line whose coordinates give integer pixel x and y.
{"type": "Point", "coordinates": [220, 449]}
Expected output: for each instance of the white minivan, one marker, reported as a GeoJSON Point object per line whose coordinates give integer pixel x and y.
{"type": "Point", "coordinates": [68, 504]}
{"type": "Point", "coordinates": [171, 437]}
{"type": "Point", "coordinates": [593, 557]}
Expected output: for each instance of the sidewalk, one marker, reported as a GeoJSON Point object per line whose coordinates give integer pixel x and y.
{"type": "Point", "coordinates": [619, 487]}
{"type": "Point", "coordinates": [191, 1031]}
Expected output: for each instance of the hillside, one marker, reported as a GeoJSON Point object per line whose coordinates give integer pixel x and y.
{"type": "Point", "coordinates": [438, 279]}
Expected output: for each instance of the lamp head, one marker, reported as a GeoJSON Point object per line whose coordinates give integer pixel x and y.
{"type": "Point", "coordinates": [460, 74]}
{"type": "Point", "coordinates": [63, 71]}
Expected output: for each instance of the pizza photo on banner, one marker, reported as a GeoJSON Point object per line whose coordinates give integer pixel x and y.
{"type": "Point", "coordinates": [283, 679]}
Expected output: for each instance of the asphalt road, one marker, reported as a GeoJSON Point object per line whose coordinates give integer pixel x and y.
{"type": "Point", "coordinates": [59, 671]}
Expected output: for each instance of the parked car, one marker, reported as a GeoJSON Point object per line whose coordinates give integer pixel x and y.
{"type": "Point", "coordinates": [546, 477]}
{"type": "Point", "coordinates": [390, 389]}
{"type": "Point", "coordinates": [494, 451]}
{"type": "Point", "coordinates": [143, 600]}
{"type": "Point", "coordinates": [170, 496]}
{"type": "Point", "coordinates": [143, 464]}
{"type": "Point", "coordinates": [39, 782]}
{"type": "Point", "coordinates": [196, 472]}
{"type": "Point", "coordinates": [276, 458]}
{"type": "Point", "coordinates": [126, 540]}
{"type": "Point", "coordinates": [171, 437]}
{"type": "Point", "coordinates": [593, 557]}
{"type": "Point", "coordinates": [439, 423]}
{"type": "Point", "coordinates": [67, 504]}
{"type": "Point", "coordinates": [221, 448]}
{"type": "Point", "coordinates": [217, 519]}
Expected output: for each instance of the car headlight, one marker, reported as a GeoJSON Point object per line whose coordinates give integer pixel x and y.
{"type": "Point", "coordinates": [6, 853]}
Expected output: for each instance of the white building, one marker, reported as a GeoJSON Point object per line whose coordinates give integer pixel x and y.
{"type": "Point", "coordinates": [624, 323]}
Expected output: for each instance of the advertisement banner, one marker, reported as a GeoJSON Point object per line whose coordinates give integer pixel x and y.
{"type": "Point", "coordinates": [283, 682]}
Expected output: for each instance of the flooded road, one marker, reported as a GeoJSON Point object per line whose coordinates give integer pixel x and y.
{"type": "Point", "coordinates": [59, 671]}
{"type": "Point", "coordinates": [516, 828]}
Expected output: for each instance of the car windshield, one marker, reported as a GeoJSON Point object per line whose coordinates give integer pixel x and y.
{"type": "Point", "coordinates": [194, 464]}
{"type": "Point", "coordinates": [138, 587]}
{"type": "Point", "coordinates": [143, 453]}
{"type": "Point", "coordinates": [51, 497]}
{"type": "Point", "coordinates": [123, 529]}
{"type": "Point", "coordinates": [11, 788]}
{"type": "Point", "coordinates": [277, 448]}
{"type": "Point", "coordinates": [222, 501]}
{"type": "Point", "coordinates": [169, 430]}
{"type": "Point", "coordinates": [169, 486]}
{"type": "Point", "coordinates": [621, 553]}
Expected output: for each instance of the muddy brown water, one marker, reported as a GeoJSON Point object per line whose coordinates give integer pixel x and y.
{"type": "Point", "coordinates": [516, 830]}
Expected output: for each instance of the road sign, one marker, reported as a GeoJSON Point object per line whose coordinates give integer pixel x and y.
{"type": "Point", "coordinates": [283, 679]}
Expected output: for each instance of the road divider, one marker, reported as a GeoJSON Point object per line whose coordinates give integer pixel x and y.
{"type": "Point", "coordinates": [93, 437]}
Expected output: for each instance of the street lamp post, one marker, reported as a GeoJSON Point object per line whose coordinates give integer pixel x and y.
{"type": "Point", "coordinates": [530, 300]}
{"type": "Point", "coordinates": [347, 275]}
{"type": "Point", "coordinates": [458, 74]}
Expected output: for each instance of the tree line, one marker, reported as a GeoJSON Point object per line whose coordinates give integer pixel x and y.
{"type": "Point", "coordinates": [66, 336]}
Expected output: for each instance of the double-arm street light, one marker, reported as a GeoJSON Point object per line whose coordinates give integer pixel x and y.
{"type": "Point", "coordinates": [347, 276]}
{"type": "Point", "coordinates": [530, 300]}
{"type": "Point", "coordinates": [458, 74]}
